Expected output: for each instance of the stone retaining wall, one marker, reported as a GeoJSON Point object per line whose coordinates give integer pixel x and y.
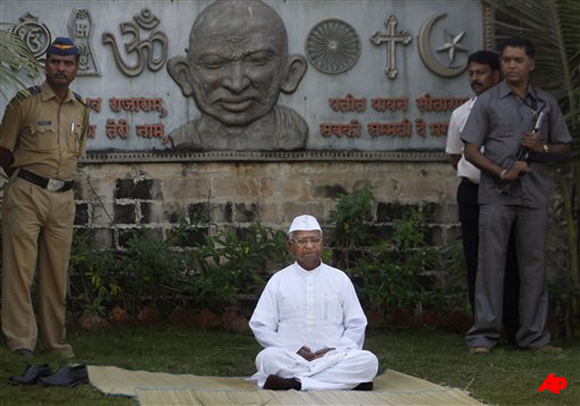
{"type": "Point", "coordinates": [158, 196]}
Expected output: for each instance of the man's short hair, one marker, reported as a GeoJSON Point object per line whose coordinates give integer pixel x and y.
{"type": "Point", "coordinates": [485, 58]}
{"type": "Point", "coordinates": [518, 42]}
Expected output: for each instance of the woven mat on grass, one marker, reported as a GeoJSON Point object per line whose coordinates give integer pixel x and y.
{"type": "Point", "coordinates": [156, 388]}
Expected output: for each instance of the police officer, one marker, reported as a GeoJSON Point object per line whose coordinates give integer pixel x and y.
{"type": "Point", "coordinates": [43, 132]}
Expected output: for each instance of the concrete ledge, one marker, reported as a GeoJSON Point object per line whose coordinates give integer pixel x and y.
{"type": "Point", "coordinates": [257, 156]}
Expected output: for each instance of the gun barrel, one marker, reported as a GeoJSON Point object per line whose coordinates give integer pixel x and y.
{"type": "Point", "coordinates": [539, 120]}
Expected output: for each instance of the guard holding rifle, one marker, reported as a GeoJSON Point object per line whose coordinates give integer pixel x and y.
{"type": "Point", "coordinates": [43, 132]}
{"type": "Point", "coordinates": [513, 192]}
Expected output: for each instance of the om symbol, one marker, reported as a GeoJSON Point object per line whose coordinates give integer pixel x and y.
{"type": "Point", "coordinates": [143, 47]}
{"type": "Point", "coordinates": [34, 34]}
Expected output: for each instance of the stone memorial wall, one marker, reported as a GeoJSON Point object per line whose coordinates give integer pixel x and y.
{"type": "Point", "coordinates": [269, 109]}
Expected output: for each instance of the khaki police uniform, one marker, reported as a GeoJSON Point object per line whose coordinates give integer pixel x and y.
{"type": "Point", "coordinates": [45, 138]}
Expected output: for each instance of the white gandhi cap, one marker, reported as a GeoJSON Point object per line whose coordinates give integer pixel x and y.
{"type": "Point", "coordinates": [304, 223]}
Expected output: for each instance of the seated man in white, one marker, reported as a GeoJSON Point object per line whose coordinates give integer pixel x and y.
{"type": "Point", "coordinates": [310, 323]}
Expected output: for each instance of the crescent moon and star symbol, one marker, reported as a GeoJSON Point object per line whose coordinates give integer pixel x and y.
{"type": "Point", "coordinates": [451, 46]}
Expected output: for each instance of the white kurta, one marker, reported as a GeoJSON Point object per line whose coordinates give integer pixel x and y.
{"type": "Point", "coordinates": [318, 309]}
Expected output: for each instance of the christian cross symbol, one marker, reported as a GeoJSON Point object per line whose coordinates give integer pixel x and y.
{"type": "Point", "coordinates": [391, 37]}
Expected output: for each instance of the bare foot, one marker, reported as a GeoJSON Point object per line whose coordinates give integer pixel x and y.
{"type": "Point", "coordinates": [364, 386]}
{"type": "Point", "coordinates": [274, 382]}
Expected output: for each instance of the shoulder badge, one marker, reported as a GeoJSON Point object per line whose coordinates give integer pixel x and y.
{"type": "Point", "coordinates": [80, 99]}
{"type": "Point", "coordinates": [23, 94]}
{"type": "Point", "coordinates": [34, 89]}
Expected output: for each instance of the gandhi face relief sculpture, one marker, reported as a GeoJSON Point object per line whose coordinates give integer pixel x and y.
{"type": "Point", "coordinates": [237, 63]}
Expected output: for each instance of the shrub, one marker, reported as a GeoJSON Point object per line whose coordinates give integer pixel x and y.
{"type": "Point", "coordinates": [92, 274]}
{"type": "Point", "coordinates": [228, 266]}
{"type": "Point", "coordinates": [392, 274]}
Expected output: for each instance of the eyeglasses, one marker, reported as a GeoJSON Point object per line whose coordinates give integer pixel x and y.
{"type": "Point", "coordinates": [302, 242]}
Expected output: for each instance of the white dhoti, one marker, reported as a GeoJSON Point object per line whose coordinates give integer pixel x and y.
{"type": "Point", "coordinates": [336, 370]}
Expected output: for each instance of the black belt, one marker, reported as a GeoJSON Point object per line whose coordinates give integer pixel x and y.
{"type": "Point", "coordinates": [49, 184]}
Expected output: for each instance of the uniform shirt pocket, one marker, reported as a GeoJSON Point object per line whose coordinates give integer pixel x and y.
{"type": "Point", "coordinates": [73, 139]}
{"type": "Point", "coordinates": [43, 137]}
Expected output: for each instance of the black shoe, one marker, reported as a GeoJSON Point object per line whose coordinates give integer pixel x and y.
{"type": "Point", "coordinates": [69, 375]}
{"type": "Point", "coordinates": [364, 386]}
{"type": "Point", "coordinates": [31, 375]}
{"type": "Point", "coordinates": [24, 352]}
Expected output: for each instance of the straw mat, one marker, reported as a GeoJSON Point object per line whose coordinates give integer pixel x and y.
{"type": "Point", "coordinates": [161, 389]}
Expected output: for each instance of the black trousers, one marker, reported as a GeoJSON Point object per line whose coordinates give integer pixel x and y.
{"type": "Point", "coordinates": [469, 218]}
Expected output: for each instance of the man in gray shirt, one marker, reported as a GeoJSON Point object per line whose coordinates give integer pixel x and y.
{"type": "Point", "coordinates": [513, 193]}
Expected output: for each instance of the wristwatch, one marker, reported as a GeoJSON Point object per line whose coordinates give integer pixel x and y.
{"type": "Point", "coordinates": [545, 148]}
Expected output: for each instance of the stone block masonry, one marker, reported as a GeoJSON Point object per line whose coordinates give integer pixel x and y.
{"type": "Point", "coordinates": [124, 198]}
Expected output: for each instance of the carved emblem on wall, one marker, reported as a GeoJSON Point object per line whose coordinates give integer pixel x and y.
{"type": "Point", "coordinates": [80, 29]}
{"type": "Point", "coordinates": [144, 48]}
{"type": "Point", "coordinates": [333, 46]}
{"type": "Point", "coordinates": [452, 44]}
{"type": "Point", "coordinates": [34, 34]}
{"type": "Point", "coordinates": [392, 37]}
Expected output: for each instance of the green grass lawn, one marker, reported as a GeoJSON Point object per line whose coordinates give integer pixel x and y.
{"type": "Point", "coordinates": [508, 376]}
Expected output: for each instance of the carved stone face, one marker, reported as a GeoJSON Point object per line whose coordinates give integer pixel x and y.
{"type": "Point", "coordinates": [237, 66]}
{"type": "Point", "coordinates": [237, 63]}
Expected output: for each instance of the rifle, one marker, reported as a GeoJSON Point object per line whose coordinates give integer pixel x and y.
{"type": "Point", "coordinates": [537, 119]}
{"type": "Point", "coordinates": [523, 153]}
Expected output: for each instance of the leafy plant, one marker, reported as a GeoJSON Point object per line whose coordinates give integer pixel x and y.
{"type": "Point", "coordinates": [392, 274]}
{"type": "Point", "coordinates": [17, 65]}
{"type": "Point", "coordinates": [230, 265]}
{"type": "Point", "coordinates": [93, 268]}
{"type": "Point", "coordinates": [217, 272]}
{"type": "Point", "coordinates": [92, 274]}
{"type": "Point", "coordinates": [454, 292]}
{"type": "Point", "coordinates": [351, 218]}
{"type": "Point", "coordinates": [150, 270]}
